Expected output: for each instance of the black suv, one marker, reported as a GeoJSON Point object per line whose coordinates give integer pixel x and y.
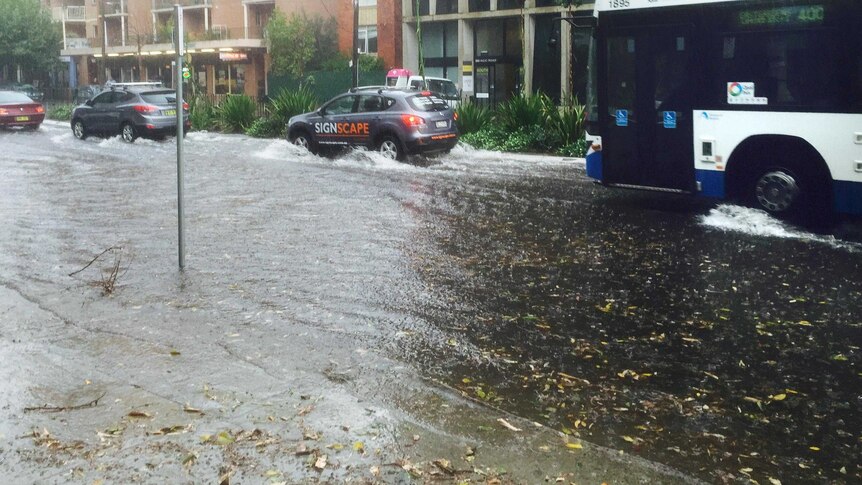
{"type": "Point", "coordinates": [131, 110]}
{"type": "Point", "coordinates": [395, 122]}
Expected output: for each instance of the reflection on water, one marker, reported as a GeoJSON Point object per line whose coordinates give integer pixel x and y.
{"type": "Point", "coordinates": [641, 327]}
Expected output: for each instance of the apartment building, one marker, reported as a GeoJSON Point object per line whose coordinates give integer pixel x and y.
{"type": "Point", "coordinates": [379, 29]}
{"type": "Point", "coordinates": [132, 39]}
{"type": "Point", "coordinates": [496, 48]}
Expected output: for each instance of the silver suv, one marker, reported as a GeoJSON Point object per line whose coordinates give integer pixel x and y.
{"type": "Point", "coordinates": [395, 122]}
{"type": "Point", "coordinates": [131, 111]}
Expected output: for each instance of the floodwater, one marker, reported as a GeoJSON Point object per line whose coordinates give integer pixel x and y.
{"type": "Point", "coordinates": [712, 338]}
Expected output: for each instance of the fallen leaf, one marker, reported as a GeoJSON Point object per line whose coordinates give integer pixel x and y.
{"type": "Point", "coordinates": [189, 459]}
{"type": "Point", "coordinates": [444, 465]}
{"type": "Point", "coordinates": [224, 438]}
{"type": "Point", "coordinates": [138, 414]}
{"type": "Point", "coordinates": [175, 353]}
{"type": "Point", "coordinates": [359, 447]}
{"type": "Point", "coordinates": [320, 463]}
{"type": "Point", "coordinates": [302, 450]}
{"type": "Point", "coordinates": [508, 425]}
{"type": "Point", "coordinates": [272, 473]}
{"type": "Point", "coordinates": [574, 446]}
{"type": "Point", "coordinates": [192, 410]}
{"type": "Point", "coordinates": [779, 397]}
{"type": "Point", "coordinates": [774, 481]}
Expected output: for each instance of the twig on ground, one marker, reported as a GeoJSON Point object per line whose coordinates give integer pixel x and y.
{"type": "Point", "coordinates": [94, 260]}
{"type": "Point", "coordinates": [59, 409]}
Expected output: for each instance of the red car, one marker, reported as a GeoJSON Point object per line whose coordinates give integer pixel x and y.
{"type": "Point", "coordinates": [16, 109]}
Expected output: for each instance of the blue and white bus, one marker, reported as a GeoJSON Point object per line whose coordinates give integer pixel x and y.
{"type": "Point", "coordinates": [758, 101]}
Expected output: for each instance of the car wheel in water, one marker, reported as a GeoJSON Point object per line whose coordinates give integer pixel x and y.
{"type": "Point", "coordinates": [302, 140]}
{"type": "Point", "coordinates": [127, 132]}
{"type": "Point", "coordinates": [390, 148]}
{"type": "Point", "coordinates": [79, 130]}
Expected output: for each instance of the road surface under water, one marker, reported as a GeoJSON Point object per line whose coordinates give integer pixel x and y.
{"type": "Point", "coordinates": [711, 338]}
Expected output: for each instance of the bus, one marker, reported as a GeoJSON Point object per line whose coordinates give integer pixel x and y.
{"type": "Point", "coordinates": [754, 101]}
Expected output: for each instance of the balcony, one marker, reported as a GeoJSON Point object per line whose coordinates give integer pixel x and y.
{"type": "Point", "coordinates": [167, 5]}
{"type": "Point", "coordinates": [77, 43]}
{"type": "Point", "coordinates": [115, 9]}
{"type": "Point", "coordinates": [75, 13]}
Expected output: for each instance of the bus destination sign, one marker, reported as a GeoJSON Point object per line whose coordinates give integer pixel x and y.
{"type": "Point", "coordinates": [782, 16]}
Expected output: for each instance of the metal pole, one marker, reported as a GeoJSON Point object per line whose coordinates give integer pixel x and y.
{"type": "Point", "coordinates": [355, 56]}
{"type": "Point", "coordinates": [178, 85]}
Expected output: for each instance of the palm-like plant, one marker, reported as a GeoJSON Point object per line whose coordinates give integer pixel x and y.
{"type": "Point", "coordinates": [290, 103]}
{"type": "Point", "coordinates": [472, 117]}
{"type": "Point", "coordinates": [236, 113]}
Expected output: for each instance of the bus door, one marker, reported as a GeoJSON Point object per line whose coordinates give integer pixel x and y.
{"type": "Point", "coordinates": [648, 129]}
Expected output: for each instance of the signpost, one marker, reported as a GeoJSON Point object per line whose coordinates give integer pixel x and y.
{"type": "Point", "coordinates": [178, 84]}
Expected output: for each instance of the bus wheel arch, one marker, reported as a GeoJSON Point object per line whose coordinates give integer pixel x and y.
{"type": "Point", "coordinates": [784, 175]}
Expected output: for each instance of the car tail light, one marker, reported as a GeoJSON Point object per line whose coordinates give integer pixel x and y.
{"type": "Point", "coordinates": [413, 121]}
{"type": "Point", "coordinates": [455, 116]}
{"type": "Point", "coordinates": [185, 106]}
{"type": "Point", "coordinates": [426, 93]}
{"type": "Point", "coordinates": [145, 108]}
{"type": "Point", "coordinates": [4, 111]}
{"type": "Point", "coordinates": [40, 109]}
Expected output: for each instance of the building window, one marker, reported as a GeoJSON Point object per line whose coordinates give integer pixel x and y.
{"type": "Point", "coordinates": [447, 6]}
{"type": "Point", "coordinates": [368, 40]}
{"type": "Point", "coordinates": [480, 5]}
{"type": "Point", "coordinates": [424, 7]}
{"type": "Point", "coordinates": [440, 40]}
{"type": "Point", "coordinates": [509, 4]}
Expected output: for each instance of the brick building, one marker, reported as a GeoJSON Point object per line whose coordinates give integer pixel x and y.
{"type": "Point", "coordinates": [379, 29]}
{"type": "Point", "coordinates": [224, 39]}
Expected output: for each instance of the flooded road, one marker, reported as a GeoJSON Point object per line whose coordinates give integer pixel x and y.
{"type": "Point", "coordinates": [710, 338]}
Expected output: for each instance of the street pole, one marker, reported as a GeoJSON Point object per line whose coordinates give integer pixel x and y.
{"type": "Point", "coordinates": [355, 43]}
{"type": "Point", "coordinates": [178, 84]}
{"type": "Point", "coordinates": [101, 74]}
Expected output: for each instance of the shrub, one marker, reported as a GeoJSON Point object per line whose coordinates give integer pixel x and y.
{"type": "Point", "coordinates": [472, 117]}
{"type": "Point", "coordinates": [291, 103]}
{"type": "Point", "coordinates": [202, 113]}
{"type": "Point", "coordinates": [522, 111]}
{"type": "Point", "coordinates": [567, 122]}
{"type": "Point", "coordinates": [236, 113]}
{"type": "Point", "coordinates": [576, 149]}
{"type": "Point", "coordinates": [60, 112]}
{"type": "Point", "coordinates": [266, 128]}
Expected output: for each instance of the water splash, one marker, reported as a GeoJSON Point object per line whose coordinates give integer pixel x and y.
{"type": "Point", "coordinates": [755, 222]}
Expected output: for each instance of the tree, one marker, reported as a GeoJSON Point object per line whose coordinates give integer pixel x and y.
{"type": "Point", "coordinates": [291, 43]}
{"type": "Point", "coordinates": [29, 38]}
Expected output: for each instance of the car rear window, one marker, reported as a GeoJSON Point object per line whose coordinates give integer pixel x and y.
{"type": "Point", "coordinates": [160, 97]}
{"type": "Point", "coordinates": [10, 97]}
{"type": "Point", "coordinates": [427, 102]}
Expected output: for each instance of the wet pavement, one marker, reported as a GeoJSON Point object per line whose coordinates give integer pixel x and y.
{"type": "Point", "coordinates": [386, 315]}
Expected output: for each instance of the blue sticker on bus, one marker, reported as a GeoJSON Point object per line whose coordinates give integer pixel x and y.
{"type": "Point", "coordinates": [622, 117]}
{"type": "Point", "coordinates": [669, 119]}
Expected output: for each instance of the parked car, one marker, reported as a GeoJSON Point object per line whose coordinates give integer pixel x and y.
{"type": "Point", "coordinates": [31, 91]}
{"type": "Point", "coordinates": [396, 122]}
{"type": "Point", "coordinates": [441, 86]}
{"type": "Point", "coordinates": [17, 109]}
{"type": "Point", "coordinates": [87, 91]}
{"type": "Point", "coordinates": [130, 110]}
